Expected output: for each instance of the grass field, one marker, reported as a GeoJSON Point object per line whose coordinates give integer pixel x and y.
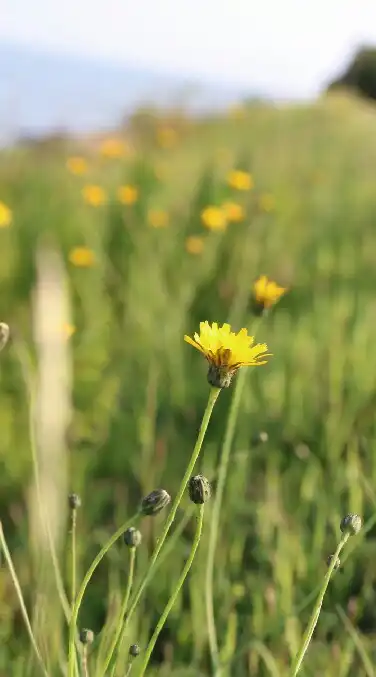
{"type": "Point", "coordinates": [104, 248]}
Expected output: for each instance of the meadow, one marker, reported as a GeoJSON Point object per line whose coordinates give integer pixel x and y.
{"type": "Point", "coordinates": [120, 245]}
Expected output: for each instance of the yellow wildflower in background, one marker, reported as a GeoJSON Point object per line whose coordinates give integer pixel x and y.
{"type": "Point", "coordinates": [77, 165]}
{"type": "Point", "coordinates": [69, 329]}
{"type": "Point", "coordinates": [226, 351]}
{"type": "Point", "coordinates": [166, 137]}
{"type": "Point", "coordinates": [214, 218]}
{"type": "Point", "coordinates": [194, 244]}
{"type": "Point", "coordinates": [240, 180]}
{"type": "Point", "coordinates": [267, 202]}
{"type": "Point", "coordinates": [158, 218]}
{"type": "Point", "coordinates": [82, 257]}
{"type": "Point", "coordinates": [127, 195]}
{"type": "Point", "coordinates": [5, 216]}
{"type": "Point", "coordinates": [237, 112]}
{"type": "Point", "coordinates": [234, 212]}
{"type": "Point", "coordinates": [113, 148]}
{"type": "Point", "coordinates": [266, 292]}
{"type": "Point", "coordinates": [94, 195]}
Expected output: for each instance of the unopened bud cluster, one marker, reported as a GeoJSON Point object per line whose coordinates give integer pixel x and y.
{"type": "Point", "coordinates": [134, 650]}
{"type": "Point", "coordinates": [74, 501]}
{"type": "Point", "coordinates": [86, 636]}
{"type": "Point", "coordinates": [351, 524]}
{"type": "Point", "coordinates": [154, 502]}
{"type": "Point", "coordinates": [132, 537]}
{"type": "Point", "coordinates": [199, 489]}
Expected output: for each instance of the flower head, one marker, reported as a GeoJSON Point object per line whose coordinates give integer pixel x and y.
{"type": "Point", "coordinates": [127, 194]}
{"type": "Point", "coordinates": [76, 165]}
{"type": "Point", "coordinates": [234, 212]}
{"type": "Point", "coordinates": [214, 218]}
{"type": "Point", "coordinates": [266, 293]}
{"type": "Point", "coordinates": [240, 180]}
{"type": "Point", "coordinates": [94, 195]}
{"type": "Point", "coordinates": [5, 216]}
{"type": "Point", "coordinates": [194, 244]}
{"type": "Point", "coordinates": [227, 351]}
{"type": "Point", "coordinates": [82, 257]}
{"type": "Point", "coordinates": [157, 218]}
{"type": "Point", "coordinates": [113, 148]}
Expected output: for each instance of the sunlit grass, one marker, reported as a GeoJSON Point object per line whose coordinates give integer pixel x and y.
{"type": "Point", "coordinates": [144, 267]}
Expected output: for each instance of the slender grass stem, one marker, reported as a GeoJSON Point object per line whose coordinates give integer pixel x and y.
{"type": "Point", "coordinates": [213, 396]}
{"type": "Point", "coordinates": [123, 610]}
{"type": "Point", "coordinates": [317, 609]}
{"type": "Point", "coordinates": [17, 586]}
{"type": "Point", "coordinates": [84, 584]}
{"type": "Point", "coordinates": [172, 600]}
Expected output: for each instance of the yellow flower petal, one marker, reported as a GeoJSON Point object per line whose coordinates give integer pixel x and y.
{"type": "Point", "coordinates": [267, 292]}
{"type": "Point", "coordinates": [5, 216]}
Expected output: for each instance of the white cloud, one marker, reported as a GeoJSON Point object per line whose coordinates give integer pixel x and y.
{"type": "Point", "coordinates": [289, 46]}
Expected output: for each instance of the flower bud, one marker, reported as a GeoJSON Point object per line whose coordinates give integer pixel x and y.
{"type": "Point", "coordinates": [199, 489]}
{"type": "Point", "coordinates": [74, 501]}
{"type": "Point", "coordinates": [330, 559]}
{"type": "Point", "coordinates": [4, 334]}
{"type": "Point", "coordinates": [351, 524]}
{"type": "Point", "coordinates": [86, 636]}
{"type": "Point", "coordinates": [132, 537]}
{"type": "Point", "coordinates": [154, 502]}
{"type": "Point", "coordinates": [260, 437]}
{"type": "Point", "coordinates": [134, 650]}
{"type": "Point", "coordinates": [220, 376]}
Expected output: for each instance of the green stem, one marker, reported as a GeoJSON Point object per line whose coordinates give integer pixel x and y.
{"type": "Point", "coordinates": [73, 554]}
{"type": "Point", "coordinates": [215, 516]}
{"type": "Point", "coordinates": [17, 586]}
{"type": "Point", "coordinates": [122, 611]}
{"type": "Point", "coordinates": [84, 584]}
{"type": "Point", "coordinates": [317, 609]}
{"type": "Point", "coordinates": [172, 600]}
{"type": "Point", "coordinates": [213, 396]}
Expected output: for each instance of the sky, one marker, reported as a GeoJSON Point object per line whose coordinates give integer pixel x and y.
{"type": "Point", "coordinates": [286, 47]}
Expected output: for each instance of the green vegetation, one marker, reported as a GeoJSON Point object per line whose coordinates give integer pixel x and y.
{"type": "Point", "coordinates": [136, 282]}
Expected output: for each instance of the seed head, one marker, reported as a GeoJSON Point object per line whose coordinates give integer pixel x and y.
{"type": "Point", "coordinates": [4, 334]}
{"type": "Point", "coordinates": [351, 524]}
{"type": "Point", "coordinates": [132, 537]}
{"type": "Point", "coordinates": [86, 636]}
{"type": "Point", "coordinates": [199, 489]}
{"type": "Point", "coordinates": [74, 501]}
{"type": "Point", "coordinates": [154, 502]}
{"type": "Point", "coordinates": [134, 650]}
{"type": "Point", "coordinates": [330, 559]}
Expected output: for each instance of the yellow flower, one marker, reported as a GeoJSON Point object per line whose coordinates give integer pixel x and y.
{"type": "Point", "coordinates": [94, 195]}
{"type": "Point", "coordinates": [234, 212]}
{"type": "Point", "coordinates": [226, 351]}
{"type": "Point", "coordinates": [127, 195]}
{"type": "Point", "coordinates": [166, 137]}
{"type": "Point", "coordinates": [157, 218]}
{"type": "Point", "coordinates": [214, 218]}
{"type": "Point", "coordinates": [68, 329]}
{"type": "Point", "coordinates": [5, 216]}
{"type": "Point", "coordinates": [194, 244]}
{"type": "Point", "coordinates": [82, 257]}
{"type": "Point", "coordinates": [113, 148]}
{"type": "Point", "coordinates": [266, 292]}
{"type": "Point", "coordinates": [240, 180]}
{"type": "Point", "coordinates": [76, 165]}
{"type": "Point", "coordinates": [267, 202]}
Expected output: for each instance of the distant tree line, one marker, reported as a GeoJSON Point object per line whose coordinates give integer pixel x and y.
{"type": "Point", "coordinates": [360, 74]}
